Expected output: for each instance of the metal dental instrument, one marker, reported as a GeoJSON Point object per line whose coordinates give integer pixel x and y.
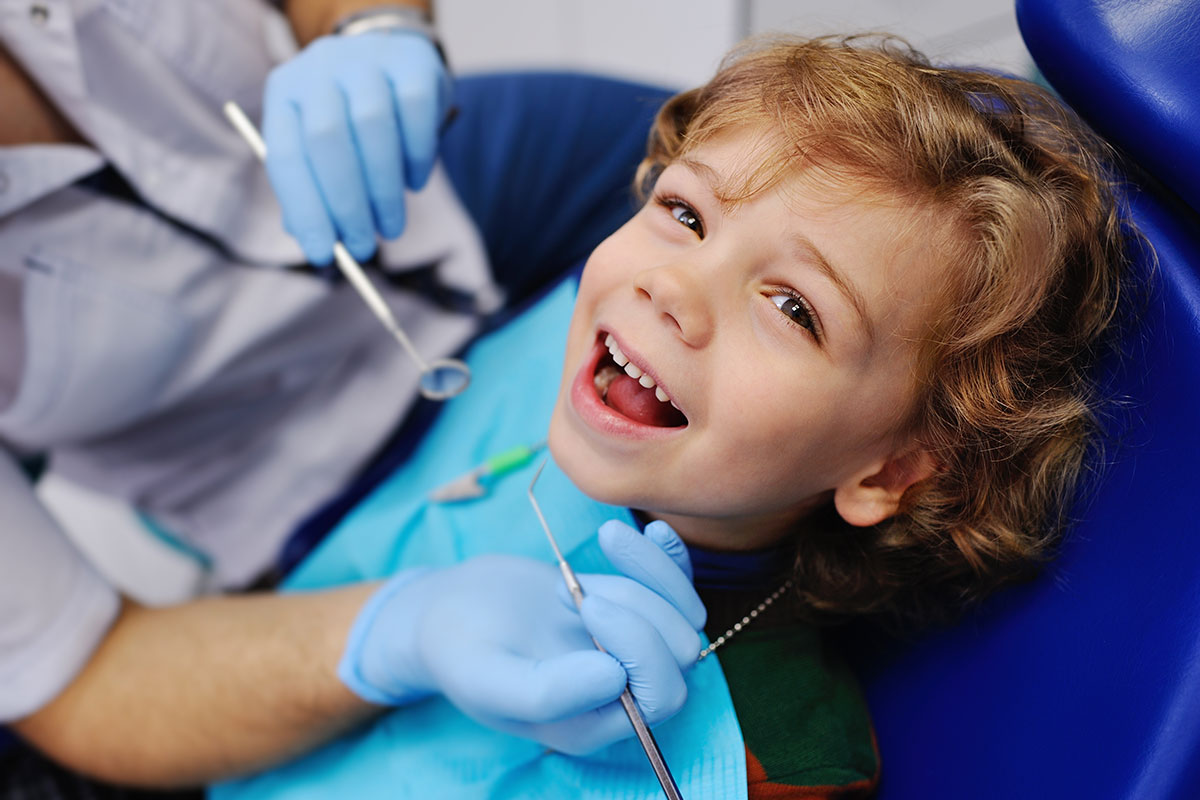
{"type": "Point", "coordinates": [441, 378]}
{"type": "Point", "coordinates": [645, 737]}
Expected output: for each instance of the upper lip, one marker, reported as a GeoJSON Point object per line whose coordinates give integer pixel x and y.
{"type": "Point", "coordinates": [639, 361]}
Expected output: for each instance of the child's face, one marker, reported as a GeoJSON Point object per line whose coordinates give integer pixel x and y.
{"type": "Point", "coordinates": [784, 329]}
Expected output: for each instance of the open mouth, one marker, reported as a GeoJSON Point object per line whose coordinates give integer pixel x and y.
{"type": "Point", "coordinates": [628, 390]}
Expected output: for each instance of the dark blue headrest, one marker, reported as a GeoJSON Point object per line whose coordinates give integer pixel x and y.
{"type": "Point", "coordinates": [1131, 68]}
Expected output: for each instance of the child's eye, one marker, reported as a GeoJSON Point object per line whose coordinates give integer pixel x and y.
{"type": "Point", "coordinates": [684, 214]}
{"type": "Point", "coordinates": [798, 311]}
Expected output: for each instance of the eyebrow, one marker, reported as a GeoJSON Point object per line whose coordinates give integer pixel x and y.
{"type": "Point", "coordinates": [700, 168]}
{"type": "Point", "coordinates": [806, 250]}
{"type": "Point", "coordinates": [709, 176]}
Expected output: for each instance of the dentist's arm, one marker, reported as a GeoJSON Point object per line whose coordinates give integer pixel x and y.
{"type": "Point", "coordinates": [228, 685]}
{"type": "Point", "coordinates": [183, 695]}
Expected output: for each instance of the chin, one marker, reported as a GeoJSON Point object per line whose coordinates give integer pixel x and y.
{"type": "Point", "coordinates": [592, 474]}
{"type": "Point", "coordinates": [583, 468]}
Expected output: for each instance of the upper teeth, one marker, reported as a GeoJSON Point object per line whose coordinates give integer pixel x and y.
{"type": "Point", "coordinates": [633, 371]}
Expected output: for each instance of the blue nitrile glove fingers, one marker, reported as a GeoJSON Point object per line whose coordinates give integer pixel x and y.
{"type": "Point", "coordinates": [304, 214]}
{"type": "Point", "coordinates": [675, 630]}
{"type": "Point", "coordinates": [349, 122]}
{"type": "Point", "coordinates": [535, 691]}
{"type": "Point", "coordinates": [380, 147]}
{"type": "Point", "coordinates": [669, 542]}
{"type": "Point", "coordinates": [657, 560]}
{"type": "Point", "coordinates": [643, 629]}
{"type": "Point", "coordinates": [655, 678]}
{"type": "Point", "coordinates": [488, 635]}
{"type": "Point", "coordinates": [423, 106]}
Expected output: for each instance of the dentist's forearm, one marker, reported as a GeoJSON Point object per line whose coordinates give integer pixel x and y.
{"type": "Point", "coordinates": [211, 689]}
{"type": "Point", "coordinates": [313, 18]}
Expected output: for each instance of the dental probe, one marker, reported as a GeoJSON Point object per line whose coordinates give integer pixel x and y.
{"type": "Point", "coordinates": [440, 380]}
{"type": "Point", "coordinates": [645, 737]}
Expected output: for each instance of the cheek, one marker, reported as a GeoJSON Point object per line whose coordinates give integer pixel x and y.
{"type": "Point", "coordinates": [595, 283]}
{"type": "Point", "coordinates": [775, 425]}
{"type": "Point", "coordinates": [808, 426]}
{"type": "Point", "coordinates": [602, 276]}
{"type": "Point", "coordinates": [619, 258]}
{"type": "Point", "coordinates": [618, 248]}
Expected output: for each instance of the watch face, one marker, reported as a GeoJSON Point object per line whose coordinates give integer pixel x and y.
{"type": "Point", "coordinates": [381, 19]}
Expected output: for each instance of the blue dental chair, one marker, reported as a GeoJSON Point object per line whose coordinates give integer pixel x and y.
{"type": "Point", "coordinates": [1086, 683]}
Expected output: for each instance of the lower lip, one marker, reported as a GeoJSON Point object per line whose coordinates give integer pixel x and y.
{"type": "Point", "coordinates": [596, 415]}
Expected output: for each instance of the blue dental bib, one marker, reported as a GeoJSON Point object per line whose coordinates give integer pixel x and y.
{"type": "Point", "coordinates": [429, 749]}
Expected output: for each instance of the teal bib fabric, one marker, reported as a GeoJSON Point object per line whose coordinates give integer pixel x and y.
{"type": "Point", "coordinates": [429, 749]}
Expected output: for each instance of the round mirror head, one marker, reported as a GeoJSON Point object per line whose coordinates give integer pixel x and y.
{"type": "Point", "coordinates": [445, 378]}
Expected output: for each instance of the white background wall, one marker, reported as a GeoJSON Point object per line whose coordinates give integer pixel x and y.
{"type": "Point", "coordinates": [680, 43]}
{"type": "Point", "coordinates": [670, 43]}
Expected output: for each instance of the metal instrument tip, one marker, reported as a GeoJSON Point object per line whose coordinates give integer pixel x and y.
{"type": "Point", "coordinates": [541, 517]}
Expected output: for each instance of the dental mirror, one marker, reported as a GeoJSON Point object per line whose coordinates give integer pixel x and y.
{"type": "Point", "coordinates": [444, 378]}
{"type": "Point", "coordinates": [441, 379]}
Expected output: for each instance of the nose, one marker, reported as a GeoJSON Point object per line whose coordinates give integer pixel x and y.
{"type": "Point", "coordinates": [679, 296]}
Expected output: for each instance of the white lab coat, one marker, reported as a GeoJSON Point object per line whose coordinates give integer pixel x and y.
{"type": "Point", "coordinates": [163, 355]}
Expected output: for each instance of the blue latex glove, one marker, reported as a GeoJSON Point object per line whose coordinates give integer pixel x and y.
{"type": "Point", "coordinates": [348, 123]}
{"type": "Point", "coordinates": [499, 637]}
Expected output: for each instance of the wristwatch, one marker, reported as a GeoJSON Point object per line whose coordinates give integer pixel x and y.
{"type": "Point", "coordinates": [392, 18]}
{"type": "Point", "coordinates": [385, 17]}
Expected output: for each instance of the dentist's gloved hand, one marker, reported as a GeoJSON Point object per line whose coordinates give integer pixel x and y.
{"type": "Point", "coordinates": [501, 640]}
{"type": "Point", "coordinates": [348, 123]}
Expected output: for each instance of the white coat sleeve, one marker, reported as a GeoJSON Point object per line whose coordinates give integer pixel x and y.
{"type": "Point", "coordinates": [54, 608]}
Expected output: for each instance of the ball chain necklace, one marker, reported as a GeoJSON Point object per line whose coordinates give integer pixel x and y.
{"type": "Point", "coordinates": [746, 620]}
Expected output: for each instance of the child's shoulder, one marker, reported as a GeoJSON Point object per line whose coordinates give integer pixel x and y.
{"type": "Point", "coordinates": [804, 718]}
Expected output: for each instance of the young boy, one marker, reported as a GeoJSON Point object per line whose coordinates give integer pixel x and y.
{"type": "Point", "coordinates": [844, 350]}
{"type": "Point", "coordinates": [945, 253]}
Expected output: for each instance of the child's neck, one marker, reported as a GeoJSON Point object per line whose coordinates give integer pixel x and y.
{"type": "Point", "coordinates": [736, 569]}
{"type": "Point", "coordinates": [744, 533]}
{"type": "Point", "coordinates": [740, 569]}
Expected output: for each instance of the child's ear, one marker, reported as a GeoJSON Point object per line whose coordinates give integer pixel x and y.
{"type": "Point", "coordinates": [873, 495]}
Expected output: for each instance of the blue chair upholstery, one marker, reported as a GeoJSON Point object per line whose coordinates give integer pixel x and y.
{"type": "Point", "coordinates": [1130, 69]}
{"type": "Point", "coordinates": [1086, 682]}
{"type": "Point", "coordinates": [544, 162]}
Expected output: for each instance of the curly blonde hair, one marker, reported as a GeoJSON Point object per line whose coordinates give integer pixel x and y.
{"type": "Point", "coordinates": [1006, 400]}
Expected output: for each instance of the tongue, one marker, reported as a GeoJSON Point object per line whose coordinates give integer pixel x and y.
{"type": "Point", "coordinates": [639, 404]}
